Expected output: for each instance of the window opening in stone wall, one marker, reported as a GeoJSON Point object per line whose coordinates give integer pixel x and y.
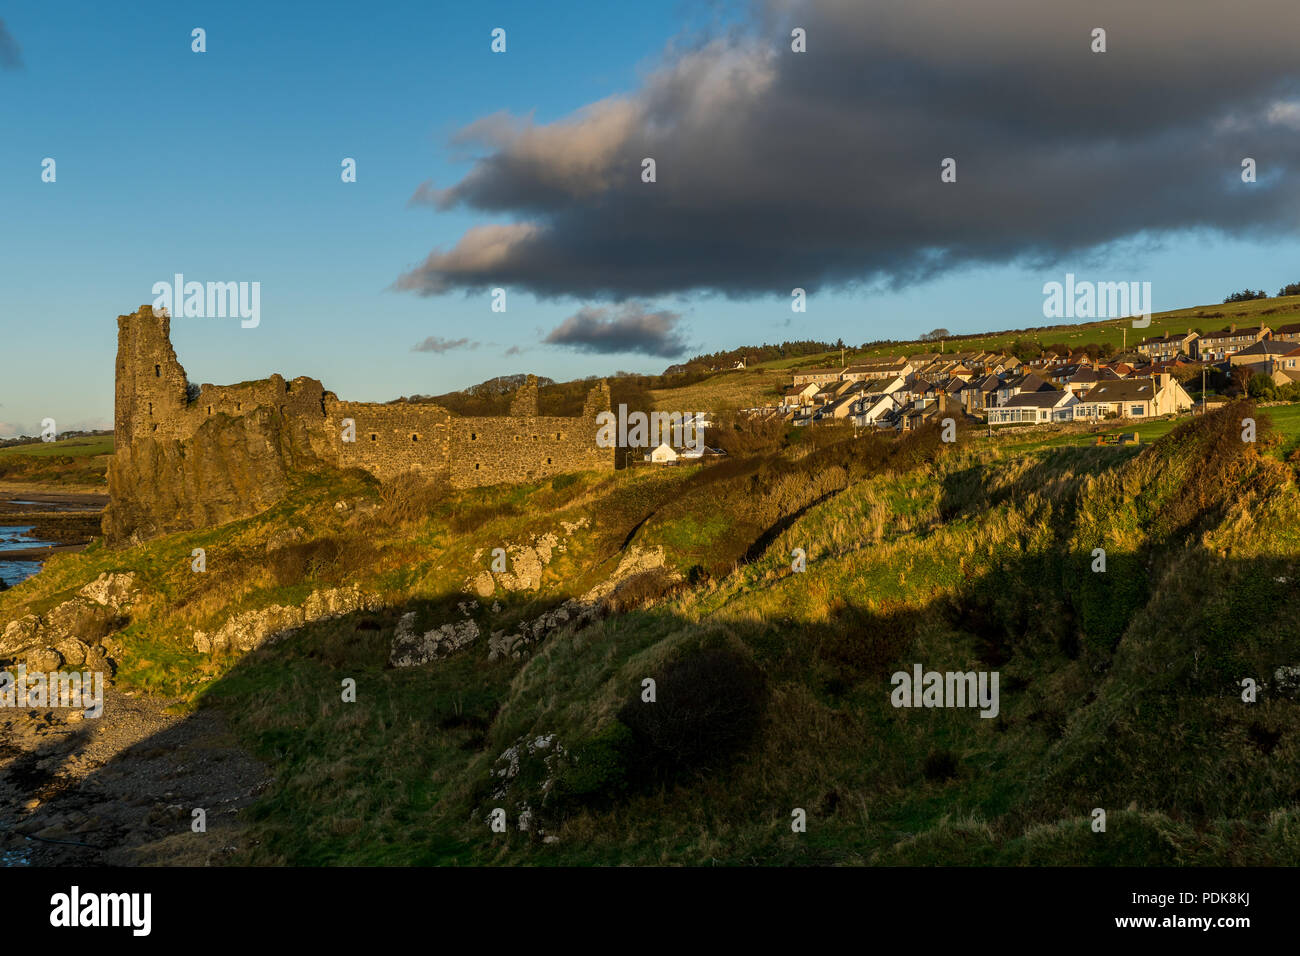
{"type": "Point", "coordinates": [157, 371]}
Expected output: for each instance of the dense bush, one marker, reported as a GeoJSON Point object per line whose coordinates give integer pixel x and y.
{"type": "Point", "coordinates": [708, 708]}
{"type": "Point", "coordinates": [411, 497]}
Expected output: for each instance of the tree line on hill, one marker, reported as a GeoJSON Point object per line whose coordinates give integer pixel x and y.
{"type": "Point", "coordinates": [1248, 294]}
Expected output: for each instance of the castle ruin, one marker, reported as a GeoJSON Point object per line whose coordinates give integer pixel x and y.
{"type": "Point", "coordinates": [159, 416]}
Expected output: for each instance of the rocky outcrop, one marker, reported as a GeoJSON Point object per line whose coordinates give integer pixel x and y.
{"type": "Point", "coordinates": [411, 648]}
{"type": "Point", "coordinates": [230, 468]}
{"type": "Point", "coordinates": [113, 590]}
{"type": "Point", "coordinates": [75, 633]}
{"type": "Point", "coordinates": [524, 562]}
{"type": "Point", "coordinates": [251, 629]}
{"type": "Point", "coordinates": [523, 775]}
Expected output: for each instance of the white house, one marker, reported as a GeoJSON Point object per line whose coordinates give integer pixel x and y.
{"type": "Point", "coordinates": [663, 455]}
{"type": "Point", "coordinates": [1035, 407]}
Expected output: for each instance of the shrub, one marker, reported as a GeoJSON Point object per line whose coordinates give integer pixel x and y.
{"type": "Point", "coordinates": [411, 496]}
{"type": "Point", "coordinates": [709, 706]}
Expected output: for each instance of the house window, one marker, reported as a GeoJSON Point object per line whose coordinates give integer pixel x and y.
{"type": "Point", "coordinates": [1136, 411]}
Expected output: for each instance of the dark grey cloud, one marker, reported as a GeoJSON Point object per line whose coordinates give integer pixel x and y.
{"type": "Point", "coordinates": [11, 54]}
{"type": "Point", "coordinates": [436, 343]}
{"type": "Point", "coordinates": [629, 328]}
{"type": "Point", "coordinates": [778, 170]}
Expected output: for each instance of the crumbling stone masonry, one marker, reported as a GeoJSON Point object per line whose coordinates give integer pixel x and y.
{"type": "Point", "coordinates": [274, 426]}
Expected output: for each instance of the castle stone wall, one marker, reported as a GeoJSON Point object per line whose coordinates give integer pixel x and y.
{"type": "Point", "coordinates": [152, 401]}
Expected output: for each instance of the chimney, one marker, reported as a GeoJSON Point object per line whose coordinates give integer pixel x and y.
{"type": "Point", "coordinates": [1162, 381]}
{"type": "Point", "coordinates": [1232, 328]}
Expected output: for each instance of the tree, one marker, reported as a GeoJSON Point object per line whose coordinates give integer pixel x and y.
{"type": "Point", "coordinates": [1246, 295]}
{"type": "Point", "coordinates": [1291, 289]}
{"type": "Point", "coordinates": [1025, 350]}
{"type": "Point", "coordinates": [1260, 387]}
{"type": "Point", "coordinates": [934, 335]}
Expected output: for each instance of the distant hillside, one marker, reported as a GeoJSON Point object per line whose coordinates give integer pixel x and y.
{"type": "Point", "coordinates": [1110, 334]}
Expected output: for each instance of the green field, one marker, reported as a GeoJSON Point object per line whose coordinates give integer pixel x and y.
{"type": "Point", "coordinates": [72, 447]}
{"type": "Point", "coordinates": [1113, 332]}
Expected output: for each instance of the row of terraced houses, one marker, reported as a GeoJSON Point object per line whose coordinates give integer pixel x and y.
{"type": "Point", "coordinates": [904, 392]}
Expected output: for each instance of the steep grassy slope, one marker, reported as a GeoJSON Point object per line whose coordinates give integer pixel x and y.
{"type": "Point", "coordinates": [1120, 690]}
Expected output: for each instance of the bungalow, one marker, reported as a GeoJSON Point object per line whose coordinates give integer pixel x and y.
{"type": "Point", "coordinates": [1217, 346]}
{"type": "Point", "coordinates": [664, 454]}
{"type": "Point", "coordinates": [1035, 407]}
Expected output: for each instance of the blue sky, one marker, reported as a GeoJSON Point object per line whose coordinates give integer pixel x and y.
{"type": "Point", "coordinates": [225, 166]}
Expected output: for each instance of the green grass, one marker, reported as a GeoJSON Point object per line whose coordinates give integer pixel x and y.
{"type": "Point", "coordinates": [74, 447]}
{"type": "Point", "coordinates": [1112, 332]}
